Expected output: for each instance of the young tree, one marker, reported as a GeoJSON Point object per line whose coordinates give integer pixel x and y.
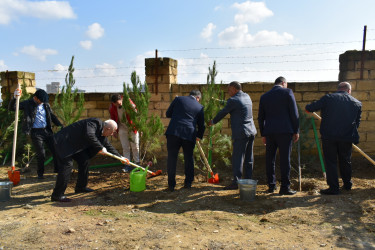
{"type": "Point", "coordinates": [216, 143]}
{"type": "Point", "coordinates": [150, 127]}
{"type": "Point", "coordinates": [7, 127]}
{"type": "Point", "coordinates": [68, 105]}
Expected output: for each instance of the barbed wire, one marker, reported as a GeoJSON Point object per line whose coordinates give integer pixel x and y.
{"type": "Point", "coordinates": [261, 46]}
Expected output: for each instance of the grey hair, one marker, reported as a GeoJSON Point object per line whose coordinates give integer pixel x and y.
{"type": "Point", "coordinates": [235, 85]}
{"type": "Point", "coordinates": [196, 93]}
{"type": "Point", "coordinates": [344, 86]}
{"type": "Point", "coordinates": [110, 124]}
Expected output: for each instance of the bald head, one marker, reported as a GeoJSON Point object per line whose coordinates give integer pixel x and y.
{"type": "Point", "coordinates": [344, 86]}
{"type": "Point", "coordinates": [110, 126]}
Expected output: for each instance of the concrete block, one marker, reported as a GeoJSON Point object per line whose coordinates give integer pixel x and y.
{"type": "Point", "coordinates": [298, 96]}
{"type": "Point", "coordinates": [251, 87]}
{"type": "Point", "coordinates": [255, 96]}
{"type": "Point", "coordinates": [90, 105]}
{"type": "Point", "coordinates": [155, 112]}
{"type": "Point", "coordinates": [361, 95]}
{"type": "Point", "coordinates": [175, 88]}
{"type": "Point", "coordinates": [30, 90]}
{"type": "Point", "coordinates": [95, 96]}
{"type": "Point", "coordinates": [95, 113]}
{"type": "Point", "coordinates": [328, 86]}
{"type": "Point", "coordinates": [165, 121]}
{"type": "Point", "coordinates": [155, 97]}
{"type": "Point", "coordinates": [370, 115]}
{"type": "Point", "coordinates": [164, 88]}
{"type": "Point", "coordinates": [368, 106]}
{"type": "Point", "coordinates": [161, 105]}
{"type": "Point", "coordinates": [312, 96]}
{"type": "Point", "coordinates": [103, 105]}
{"type": "Point", "coordinates": [365, 85]}
{"type": "Point", "coordinates": [307, 86]}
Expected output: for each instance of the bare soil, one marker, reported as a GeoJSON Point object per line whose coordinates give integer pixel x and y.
{"type": "Point", "coordinates": [204, 217]}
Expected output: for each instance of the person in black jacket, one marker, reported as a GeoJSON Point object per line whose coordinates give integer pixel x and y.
{"type": "Point", "coordinates": [186, 115]}
{"type": "Point", "coordinates": [80, 141]}
{"type": "Point", "coordinates": [341, 115]}
{"type": "Point", "coordinates": [37, 122]}
{"type": "Point", "coordinates": [279, 127]}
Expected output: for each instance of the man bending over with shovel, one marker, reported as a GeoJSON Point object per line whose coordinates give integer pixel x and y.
{"type": "Point", "coordinates": [80, 141]}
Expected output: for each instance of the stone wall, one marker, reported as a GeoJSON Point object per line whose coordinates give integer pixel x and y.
{"type": "Point", "coordinates": [161, 76]}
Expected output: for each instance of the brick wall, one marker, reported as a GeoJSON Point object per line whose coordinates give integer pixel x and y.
{"type": "Point", "coordinates": [161, 76]}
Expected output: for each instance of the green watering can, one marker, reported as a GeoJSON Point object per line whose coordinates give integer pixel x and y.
{"type": "Point", "coordinates": [138, 179]}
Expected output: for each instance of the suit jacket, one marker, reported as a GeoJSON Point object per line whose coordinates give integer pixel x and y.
{"type": "Point", "coordinates": [341, 115]}
{"type": "Point", "coordinates": [82, 135]}
{"type": "Point", "coordinates": [29, 108]}
{"type": "Point", "coordinates": [186, 114]}
{"type": "Point", "coordinates": [278, 112]}
{"type": "Point", "coordinates": [240, 108]}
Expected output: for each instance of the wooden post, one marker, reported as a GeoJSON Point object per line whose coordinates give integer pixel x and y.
{"type": "Point", "coordinates": [363, 51]}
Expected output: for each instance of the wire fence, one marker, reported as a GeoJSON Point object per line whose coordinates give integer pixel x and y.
{"type": "Point", "coordinates": [299, 62]}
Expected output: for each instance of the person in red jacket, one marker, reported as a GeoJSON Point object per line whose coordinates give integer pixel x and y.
{"type": "Point", "coordinates": [129, 139]}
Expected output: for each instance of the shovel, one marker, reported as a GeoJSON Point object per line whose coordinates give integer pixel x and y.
{"type": "Point", "coordinates": [153, 174]}
{"type": "Point", "coordinates": [14, 176]}
{"type": "Point", "coordinates": [214, 177]}
{"type": "Point", "coordinates": [354, 146]}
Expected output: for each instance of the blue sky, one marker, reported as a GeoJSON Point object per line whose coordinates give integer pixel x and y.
{"type": "Point", "coordinates": [250, 40]}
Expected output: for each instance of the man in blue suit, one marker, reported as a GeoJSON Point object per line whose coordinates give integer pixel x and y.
{"type": "Point", "coordinates": [341, 116]}
{"type": "Point", "coordinates": [279, 127]}
{"type": "Point", "coordinates": [186, 115]}
{"type": "Point", "coordinates": [239, 106]}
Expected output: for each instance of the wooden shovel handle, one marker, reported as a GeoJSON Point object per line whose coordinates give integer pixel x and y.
{"type": "Point", "coordinates": [204, 157]}
{"type": "Point", "coordinates": [15, 130]}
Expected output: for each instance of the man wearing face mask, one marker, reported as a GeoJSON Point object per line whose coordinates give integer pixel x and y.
{"type": "Point", "coordinates": [81, 141]}
{"type": "Point", "coordinates": [37, 122]}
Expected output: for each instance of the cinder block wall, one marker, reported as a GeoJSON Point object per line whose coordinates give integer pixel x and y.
{"type": "Point", "coordinates": [161, 77]}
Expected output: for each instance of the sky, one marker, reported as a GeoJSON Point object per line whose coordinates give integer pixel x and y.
{"type": "Point", "coordinates": [249, 40]}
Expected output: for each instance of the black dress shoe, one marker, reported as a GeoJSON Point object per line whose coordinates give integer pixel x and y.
{"type": "Point", "coordinates": [61, 199]}
{"type": "Point", "coordinates": [271, 190]}
{"type": "Point", "coordinates": [84, 190]}
{"type": "Point", "coordinates": [187, 186]}
{"type": "Point", "coordinates": [40, 177]}
{"type": "Point", "coordinates": [329, 191]}
{"type": "Point", "coordinates": [232, 186]}
{"type": "Point", "coordinates": [287, 192]}
{"type": "Point", "coordinates": [169, 189]}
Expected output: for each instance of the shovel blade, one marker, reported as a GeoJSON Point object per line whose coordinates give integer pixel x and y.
{"type": "Point", "coordinates": [14, 176]}
{"type": "Point", "coordinates": [214, 179]}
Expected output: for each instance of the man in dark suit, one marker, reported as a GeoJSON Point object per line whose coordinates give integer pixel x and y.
{"type": "Point", "coordinates": [341, 115]}
{"type": "Point", "coordinates": [279, 127]}
{"type": "Point", "coordinates": [80, 141]}
{"type": "Point", "coordinates": [186, 114]}
{"type": "Point", "coordinates": [240, 108]}
{"type": "Point", "coordinates": [37, 122]}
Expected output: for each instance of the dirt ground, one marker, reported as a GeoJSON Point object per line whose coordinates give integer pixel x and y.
{"type": "Point", "coordinates": [204, 217]}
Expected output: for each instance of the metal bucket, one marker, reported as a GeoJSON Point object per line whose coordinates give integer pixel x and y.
{"type": "Point", "coordinates": [247, 188]}
{"type": "Point", "coordinates": [5, 190]}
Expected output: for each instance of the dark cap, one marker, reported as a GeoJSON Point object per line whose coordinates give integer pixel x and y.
{"type": "Point", "coordinates": [41, 95]}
